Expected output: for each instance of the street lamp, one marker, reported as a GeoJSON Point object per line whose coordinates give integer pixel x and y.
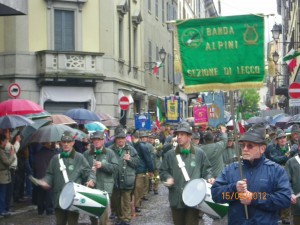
{"type": "Point", "coordinates": [162, 55]}
{"type": "Point", "coordinates": [276, 31]}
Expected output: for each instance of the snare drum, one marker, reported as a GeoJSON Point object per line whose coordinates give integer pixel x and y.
{"type": "Point", "coordinates": [197, 193]}
{"type": "Point", "coordinates": [79, 198]}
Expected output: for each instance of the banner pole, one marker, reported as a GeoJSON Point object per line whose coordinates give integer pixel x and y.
{"type": "Point", "coordinates": [236, 142]}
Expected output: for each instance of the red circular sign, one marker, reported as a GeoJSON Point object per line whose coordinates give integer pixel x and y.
{"type": "Point", "coordinates": [14, 90]}
{"type": "Point", "coordinates": [124, 103]}
{"type": "Point", "coordinates": [294, 90]}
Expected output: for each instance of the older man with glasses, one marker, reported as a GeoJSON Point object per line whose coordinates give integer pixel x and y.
{"type": "Point", "coordinates": [261, 192]}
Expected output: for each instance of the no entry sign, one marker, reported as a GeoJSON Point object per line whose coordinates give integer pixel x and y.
{"type": "Point", "coordinates": [14, 90]}
{"type": "Point", "coordinates": [294, 90]}
{"type": "Point", "coordinates": [124, 103]}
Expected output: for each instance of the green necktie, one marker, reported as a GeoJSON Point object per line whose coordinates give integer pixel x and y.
{"type": "Point", "coordinates": [120, 152]}
{"type": "Point", "coordinates": [64, 155]}
{"type": "Point", "coordinates": [184, 151]}
{"type": "Point", "coordinates": [98, 152]}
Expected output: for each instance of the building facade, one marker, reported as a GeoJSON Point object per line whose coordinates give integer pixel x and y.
{"type": "Point", "coordinates": [87, 54]}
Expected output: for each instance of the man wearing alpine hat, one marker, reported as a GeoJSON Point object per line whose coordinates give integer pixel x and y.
{"type": "Point", "coordinates": [78, 171]}
{"type": "Point", "coordinates": [196, 165]}
{"type": "Point", "coordinates": [261, 192]}
{"type": "Point", "coordinates": [104, 163]}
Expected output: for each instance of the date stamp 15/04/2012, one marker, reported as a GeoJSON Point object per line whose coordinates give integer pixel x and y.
{"type": "Point", "coordinates": [244, 196]}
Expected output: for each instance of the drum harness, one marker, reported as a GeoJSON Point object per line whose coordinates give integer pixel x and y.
{"type": "Point", "coordinates": [63, 169]}
{"type": "Point", "coordinates": [181, 165]}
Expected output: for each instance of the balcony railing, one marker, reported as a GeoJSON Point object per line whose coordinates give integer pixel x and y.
{"type": "Point", "coordinates": [62, 66]}
{"type": "Point", "coordinates": [281, 84]}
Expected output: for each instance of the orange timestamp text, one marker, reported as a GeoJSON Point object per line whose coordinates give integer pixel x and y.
{"type": "Point", "coordinates": [244, 196]}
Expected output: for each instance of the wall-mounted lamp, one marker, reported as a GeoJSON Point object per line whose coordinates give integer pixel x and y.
{"type": "Point", "coordinates": [276, 31]}
{"type": "Point", "coordinates": [162, 55]}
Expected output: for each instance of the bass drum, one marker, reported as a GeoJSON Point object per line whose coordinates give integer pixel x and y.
{"type": "Point", "coordinates": [197, 193]}
{"type": "Point", "coordinates": [79, 198]}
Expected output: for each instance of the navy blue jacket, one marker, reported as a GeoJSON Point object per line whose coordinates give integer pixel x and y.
{"type": "Point", "coordinates": [267, 181]}
{"type": "Point", "coordinates": [146, 164]}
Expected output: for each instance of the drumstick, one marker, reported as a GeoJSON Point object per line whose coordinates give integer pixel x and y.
{"type": "Point", "coordinates": [297, 195]}
{"type": "Point", "coordinates": [35, 181]}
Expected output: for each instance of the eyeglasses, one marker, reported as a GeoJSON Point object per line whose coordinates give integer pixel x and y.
{"type": "Point", "coordinates": [248, 145]}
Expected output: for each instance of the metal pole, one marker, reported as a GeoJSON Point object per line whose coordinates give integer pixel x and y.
{"type": "Point", "coordinates": [236, 142]}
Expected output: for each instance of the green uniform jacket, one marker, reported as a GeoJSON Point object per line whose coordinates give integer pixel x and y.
{"type": "Point", "coordinates": [196, 164]}
{"type": "Point", "coordinates": [78, 170]}
{"type": "Point", "coordinates": [229, 155]}
{"type": "Point", "coordinates": [125, 174]}
{"type": "Point", "coordinates": [214, 152]}
{"type": "Point", "coordinates": [105, 174]}
{"type": "Point", "coordinates": [292, 168]}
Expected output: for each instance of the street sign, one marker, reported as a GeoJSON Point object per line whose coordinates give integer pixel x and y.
{"type": "Point", "coordinates": [14, 90]}
{"type": "Point", "coordinates": [294, 102]}
{"type": "Point", "coordinates": [294, 90]}
{"type": "Point", "coordinates": [124, 103]}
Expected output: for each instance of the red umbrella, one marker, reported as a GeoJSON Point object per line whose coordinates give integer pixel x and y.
{"type": "Point", "coordinates": [19, 107]}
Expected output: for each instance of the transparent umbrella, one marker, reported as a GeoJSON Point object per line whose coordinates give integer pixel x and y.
{"type": "Point", "coordinates": [51, 133]}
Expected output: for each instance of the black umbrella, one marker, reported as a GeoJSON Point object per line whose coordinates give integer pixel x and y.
{"type": "Point", "coordinates": [13, 121]}
{"type": "Point", "coordinates": [30, 129]}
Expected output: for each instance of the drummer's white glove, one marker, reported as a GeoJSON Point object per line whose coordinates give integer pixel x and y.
{"type": "Point", "coordinates": [90, 183]}
{"type": "Point", "coordinates": [169, 182]}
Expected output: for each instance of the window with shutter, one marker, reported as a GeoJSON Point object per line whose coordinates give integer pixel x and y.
{"type": "Point", "coordinates": [64, 30]}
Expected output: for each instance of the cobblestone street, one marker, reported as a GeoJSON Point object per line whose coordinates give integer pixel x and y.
{"type": "Point", "coordinates": [154, 211]}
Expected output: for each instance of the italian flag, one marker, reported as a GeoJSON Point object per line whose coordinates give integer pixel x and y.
{"type": "Point", "coordinates": [155, 68]}
{"type": "Point", "coordinates": [159, 118]}
{"type": "Point", "coordinates": [238, 118]}
{"type": "Point", "coordinates": [290, 59]}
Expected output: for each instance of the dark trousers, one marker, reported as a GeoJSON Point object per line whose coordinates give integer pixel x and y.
{"type": "Point", "coordinates": [19, 179]}
{"type": "Point", "coordinates": [44, 201]}
{"type": "Point", "coordinates": [10, 189]}
{"type": "Point", "coordinates": [185, 216]}
{"type": "Point", "coordinates": [64, 217]}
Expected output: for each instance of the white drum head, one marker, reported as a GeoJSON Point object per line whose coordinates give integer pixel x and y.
{"type": "Point", "coordinates": [194, 192]}
{"type": "Point", "coordinates": [67, 196]}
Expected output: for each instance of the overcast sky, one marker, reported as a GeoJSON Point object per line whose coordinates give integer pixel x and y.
{"type": "Point", "coordinates": [241, 7]}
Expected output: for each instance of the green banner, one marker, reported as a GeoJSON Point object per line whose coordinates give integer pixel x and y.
{"type": "Point", "coordinates": [221, 53]}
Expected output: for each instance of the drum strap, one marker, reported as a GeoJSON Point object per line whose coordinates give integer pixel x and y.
{"type": "Point", "coordinates": [182, 167]}
{"type": "Point", "coordinates": [297, 158]}
{"type": "Point", "coordinates": [63, 169]}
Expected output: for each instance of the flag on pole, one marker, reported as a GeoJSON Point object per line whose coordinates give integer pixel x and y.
{"type": "Point", "coordinates": [238, 118]}
{"type": "Point", "coordinates": [158, 113]}
{"type": "Point", "coordinates": [290, 59]}
{"type": "Point", "coordinates": [155, 68]}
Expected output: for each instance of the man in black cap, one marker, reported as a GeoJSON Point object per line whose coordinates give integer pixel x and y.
{"type": "Point", "coordinates": [173, 175]}
{"type": "Point", "coordinates": [104, 163]}
{"type": "Point", "coordinates": [78, 171]}
{"type": "Point", "coordinates": [263, 188]}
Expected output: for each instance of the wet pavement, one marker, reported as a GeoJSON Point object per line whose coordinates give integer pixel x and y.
{"type": "Point", "coordinates": [154, 211]}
